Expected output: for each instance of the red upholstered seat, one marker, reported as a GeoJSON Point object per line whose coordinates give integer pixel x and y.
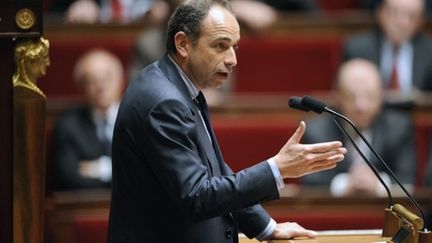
{"type": "Point", "coordinates": [287, 64]}
{"type": "Point", "coordinates": [90, 228]}
{"type": "Point", "coordinates": [330, 6]}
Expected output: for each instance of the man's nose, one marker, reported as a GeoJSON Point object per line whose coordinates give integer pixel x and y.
{"type": "Point", "coordinates": [231, 58]}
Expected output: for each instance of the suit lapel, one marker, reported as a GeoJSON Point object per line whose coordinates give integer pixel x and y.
{"type": "Point", "coordinates": [207, 146]}
{"type": "Point", "coordinates": [211, 160]}
{"type": "Point", "coordinates": [419, 63]}
{"type": "Point", "coordinates": [174, 77]}
{"type": "Point", "coordinates": [218, 153]}
{"type": "Point", "coordinates": [377, 47]}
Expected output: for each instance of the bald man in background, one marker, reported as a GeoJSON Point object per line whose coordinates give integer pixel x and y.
{"type": "Point", "coordinates": [82, 137]}
{"type": "Point", "coordinates": [359, 96]}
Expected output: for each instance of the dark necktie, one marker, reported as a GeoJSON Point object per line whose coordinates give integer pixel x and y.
{"type": "Point", "coordinates": [116, 8]}
{"type": "Point", "coordinates": [394, 76]}
{"type": "Point", "coordinates": [202, 105]}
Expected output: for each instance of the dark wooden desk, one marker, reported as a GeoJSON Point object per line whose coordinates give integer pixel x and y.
{"type": "Point", "coordinates": [313, 208]}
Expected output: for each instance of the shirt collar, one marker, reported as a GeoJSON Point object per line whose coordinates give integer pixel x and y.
{"type": "Point", "coordinates": [193, 90]}
{"type": "Point", "coordinates": [404, 47]}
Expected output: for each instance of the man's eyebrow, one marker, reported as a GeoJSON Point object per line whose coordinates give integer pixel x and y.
{"type": "Point", "coordinates": [223, 38]}
{"type": "Point", "coordinates": [226, 39]}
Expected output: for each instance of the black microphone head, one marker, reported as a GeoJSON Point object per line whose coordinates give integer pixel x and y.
{"type": "Point", "coordinates": [313, 104]}
{"type": "Point", "coordinates": [295, 103]}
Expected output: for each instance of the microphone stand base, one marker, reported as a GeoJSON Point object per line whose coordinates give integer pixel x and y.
{"type": "Point", "coordinates": [404, 226]}
{"type": "Point", "coordinates": [425, 237]}
{"type": "Point", "coordinates": [391, 223]}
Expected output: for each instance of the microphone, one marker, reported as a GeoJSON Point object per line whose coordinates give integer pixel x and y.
{"type": "Point", "coordinates": [319, 107]}
{"type": "Point", "coordinates": [296, 103]}
{"type": "Point", "coordinates": [313, 104]}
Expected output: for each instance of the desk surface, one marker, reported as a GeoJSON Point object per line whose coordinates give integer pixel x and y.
{"type": "Point", "coordinates": [336, 236]}
{"type": "Point", "coordinates": [342, 236]}
{"type": "Point", "coordinates": [337, 239]}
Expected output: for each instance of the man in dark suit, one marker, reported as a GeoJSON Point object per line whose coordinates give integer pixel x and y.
{"type": "Point", "coordinates": [397, 46]}
{"type": "Point", "coordinates": [170, 182]}
{"type": "Point", "coordinates": [359, 96]}
{"type": "Point", "coordinates": [82, 137]}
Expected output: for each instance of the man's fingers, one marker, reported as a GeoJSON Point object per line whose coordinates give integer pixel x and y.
{"type": "Point", "coordinates": [298, 134]}
{"type": "Point", "coordinates": [309, 233]}
{"type": "Point", "coordinates": [291, 230]}
{"type": "Point", "coordinates": [328, 155]}
{"type": "Point", "coordinates": [303, 233]}
{"type": "Point", "coordinates": [323, 147]}
{"type": "Point", "coordinates": [326, 164]}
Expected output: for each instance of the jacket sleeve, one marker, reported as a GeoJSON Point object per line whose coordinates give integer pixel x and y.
{"type": "Point", "coordinates": [251, 220]}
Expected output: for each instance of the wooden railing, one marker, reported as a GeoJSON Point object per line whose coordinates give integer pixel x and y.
{"type": "Point", "coordinates": [82, 216]}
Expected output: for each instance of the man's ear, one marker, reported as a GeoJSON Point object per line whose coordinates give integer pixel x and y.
{"type": "Point", "coordinates": [182, 43]}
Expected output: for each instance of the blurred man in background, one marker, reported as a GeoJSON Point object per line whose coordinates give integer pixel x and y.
{"type": "Point", "coordinates": [82, 137]}
{"type": "Point", "coordinates": [359, 96]}
{"type": "Point", "coordinates": [397, 46]}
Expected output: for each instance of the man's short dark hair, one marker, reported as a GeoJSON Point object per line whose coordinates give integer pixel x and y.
{"type": "Point", "coordinates": [188, 18]}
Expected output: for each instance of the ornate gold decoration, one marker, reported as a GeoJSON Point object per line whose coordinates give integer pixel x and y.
{"type": "Point", "coordinates": [25, 18]}
{"type": "Point", "coordinates": [32, 60]}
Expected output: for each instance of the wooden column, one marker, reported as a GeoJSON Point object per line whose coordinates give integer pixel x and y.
{"type": "Point", "coordinates": [19, 20]}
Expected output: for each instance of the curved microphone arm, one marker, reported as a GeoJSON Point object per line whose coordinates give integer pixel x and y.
{"type": "Point", "coordinates": [371, 166]}
{"type": "Point", "coordinates": [382, 162]}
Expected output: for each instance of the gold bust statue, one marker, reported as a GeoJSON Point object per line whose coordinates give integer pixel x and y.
{"type": "Point", "coordinates": [29, 116]}
{"type": "Point", "coordinates": [32, 60]}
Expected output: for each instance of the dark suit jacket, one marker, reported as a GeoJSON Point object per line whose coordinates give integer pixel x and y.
{"type": "Point", "coordinates": [368, 45]}
{"type": "Point", "coordinates": [75, 139]}
{"type": "Point", "coordinates": [168, 185]}
{"type": "Point", "coordinates": [392, 138]}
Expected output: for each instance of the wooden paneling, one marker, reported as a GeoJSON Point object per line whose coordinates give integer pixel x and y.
{"type": "Point", "coordinates": [87, 211]}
